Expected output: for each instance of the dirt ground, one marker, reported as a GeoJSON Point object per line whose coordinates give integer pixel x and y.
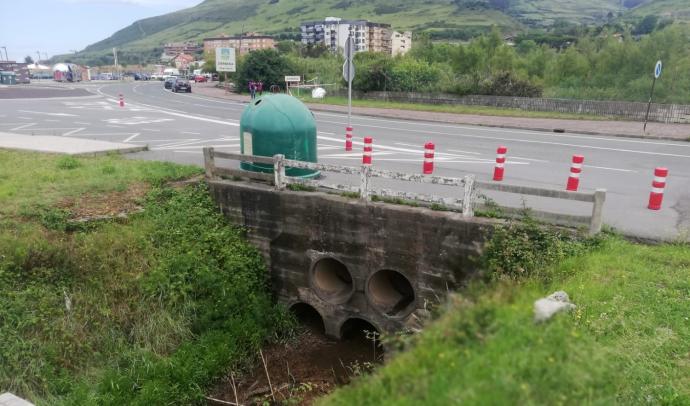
{"type": "Point", "coordinates": [92, 205]}
{"type": "Point", "coordinates": [302, 370]}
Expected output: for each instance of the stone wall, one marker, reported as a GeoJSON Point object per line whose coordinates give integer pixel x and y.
{"type": "Point", "coordinates": [382, 263]}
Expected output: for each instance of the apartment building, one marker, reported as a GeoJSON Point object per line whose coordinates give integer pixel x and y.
{"type": "Point", "coordinates": [175, 48]}
{"type": "Point", "coordinates": [401, 42]}
{"type": "Point", "coordinates": [333, 33]}
{"type": "Point", "coordinates": [246, 43]}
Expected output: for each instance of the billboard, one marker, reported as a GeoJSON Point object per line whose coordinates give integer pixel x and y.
{"type": "Point", "coordinates": [225, 60]}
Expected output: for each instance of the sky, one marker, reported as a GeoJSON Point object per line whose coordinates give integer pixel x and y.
{"type": "Point", "coordinates": [61, 26]}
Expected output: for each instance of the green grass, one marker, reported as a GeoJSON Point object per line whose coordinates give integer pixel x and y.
{"type": "Point", "coordinates": [455, 109]}
{"type": "Point", "coordinates": [626, 343]}
{"type": "Point", "coordinates": [147, 310]}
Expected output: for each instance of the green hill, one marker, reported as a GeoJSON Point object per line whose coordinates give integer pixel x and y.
{"type": "Point", "coordinates": [142, 41]}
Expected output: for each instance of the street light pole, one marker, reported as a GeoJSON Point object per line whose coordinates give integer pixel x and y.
{"type": "Point", "coordinates": [7, 58]}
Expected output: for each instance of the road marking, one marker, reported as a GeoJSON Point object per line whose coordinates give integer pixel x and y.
{"type": "Point", "coordinates": [609, 169]}
{"type": "Point", "coordinates": [48, 120]}
{"type": "Point", "coordinates": [73, 132]}
{"type": "Point", "coordinates": [515, 140]}
{"type": "Point", "coordinates": [505, 130]}
{"type": "Point", "coordinates": [150, 129]}
{"type": "Point", "coordinates": [24, 118]}
{"type": "Point", "coordinates": [131, 138]}
{"type": "Point", "coordinates": [189, 132]}
{"type": "Point", "coordinates": [48, 114]}
{"type": "Point", "coordinates": [82, 123]}
{"type": "Point", "coordinates": [176, 147]}
{"type": "Point", "coordinates": [21, 127]}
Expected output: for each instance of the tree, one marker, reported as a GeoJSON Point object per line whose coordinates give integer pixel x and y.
{"type": "Point", "coordinates": [28, 59]}
{"type": "Point", "coordinates": [265, 65]}
{"type": "Point", "coordinates": [647, 25]}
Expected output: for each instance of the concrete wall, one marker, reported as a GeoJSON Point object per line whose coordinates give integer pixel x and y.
{"type": "Point", "coordinates": [328, 251]}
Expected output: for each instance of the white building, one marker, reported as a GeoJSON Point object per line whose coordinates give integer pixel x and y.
{"type": "Point", "coordinates": [333, 33]}
{"type": "Point", "coordinates": [401, 42]}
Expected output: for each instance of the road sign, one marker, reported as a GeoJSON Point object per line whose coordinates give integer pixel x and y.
{"type": "Point", "coordinates": [349, 51]}
{"type": "Point", "coordinates": [657, 70]}
{"type": "Point", "coordinates": [293, 79]}
{"type": "Point", "coordinates": [348, 71]}
{"type": "Point", "coordinates": [225, 60]}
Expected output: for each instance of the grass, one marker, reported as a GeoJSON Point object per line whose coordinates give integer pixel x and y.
{"type": "Point", "coordinates": [151, 309]}
{"type": "Point", "coordinates": [455, 109]}
{"type": "Point", "coordinates": [626, 343]}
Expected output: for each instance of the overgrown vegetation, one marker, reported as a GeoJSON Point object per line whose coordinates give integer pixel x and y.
{"type": "Point", "coordinates": [625, 343]}
{"type": "Point", "coordinates": [150, 309]}
{"type": "Point", "coordinates": [603, 64]}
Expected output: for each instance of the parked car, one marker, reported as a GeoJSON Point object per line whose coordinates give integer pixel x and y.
{"type": "Point", "coordinates": [169, 82]}
{"type": "Point", "coordinates": [181, 85]}
{"type": "Point", "coordinates": [199, 78]}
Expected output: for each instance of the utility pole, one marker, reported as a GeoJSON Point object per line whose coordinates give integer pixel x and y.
{"type": "Point", "coordinates": [39, 58]}
{"type": "Point", "coordinates": [7, 58]}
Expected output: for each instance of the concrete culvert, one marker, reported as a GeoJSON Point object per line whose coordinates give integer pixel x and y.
{"type": "Point", "coordinates": [309, 317]}
{"type": "Point", "coordinates": [364, 336]}
{"type": "Point", "coordinates": [391, 293]}
{"type": "Point", "coordinates": [332, 280]}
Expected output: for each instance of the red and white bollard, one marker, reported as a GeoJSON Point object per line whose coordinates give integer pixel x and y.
{"type": "Point", "coordinates": [348, 139]}
{"type": "Point", "coordinates": [122, 100]}
{"type": "Point", "coordinates": [575, 171]}
{"type": "Point", "coordinates": [368, 149]}
{"type": "Point", "coordinates": [656, 197]}
{"type": "Point", "coordinates": [428, 167]}
{"type": "Point", "coordinates": [500, 163]}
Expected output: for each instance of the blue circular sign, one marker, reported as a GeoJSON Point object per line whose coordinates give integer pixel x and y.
{"type": "Point", "coordinates": [657, 70]}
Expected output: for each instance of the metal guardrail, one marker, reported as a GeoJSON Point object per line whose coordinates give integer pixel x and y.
{"type": "Point", "coordinates": [466, 204]}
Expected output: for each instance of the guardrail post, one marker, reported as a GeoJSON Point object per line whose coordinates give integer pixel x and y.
{"type": "Point", "coordinates": [209, 162]}
{"type": "Point", "coordinates": [279, 171]}
{"type": "Point", "coordinates": [597, 211]}
{"type": "Point", "coordinates": [365, 177]}
{"type": "Point", "coordinates": [468, 196]}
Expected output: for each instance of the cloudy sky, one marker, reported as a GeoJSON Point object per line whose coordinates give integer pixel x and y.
{"type": "Point", "coordinates": [60, 26]}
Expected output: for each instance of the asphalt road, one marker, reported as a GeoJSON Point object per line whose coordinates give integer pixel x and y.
{"type": "Point", "coordinates": [177, 126]}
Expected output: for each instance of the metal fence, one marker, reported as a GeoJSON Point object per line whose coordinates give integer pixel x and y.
{"type": "Point", "coordinates": [468, 186]}
{"type": "Point", "coordinates": [634, 111]}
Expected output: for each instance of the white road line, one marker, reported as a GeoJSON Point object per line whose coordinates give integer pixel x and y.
{"type": "Point", "coordinates": [464, 152]}
{"type": "Point", "coordinates": [505, 130]}
{"type": "Point", "coordinates": [609, 169]}
{"type": "Point", "coordinates": [82, 123]}
{"type": "Point", "coordinates": [181, 142]}
{"type": "Point", "coordinates": [48, 114]}
{"type": "Point", "coordinates": [516, 140]}
{"type": "Point", "coordinates": [527, 159]}
{"type": "Point", "coordinates": [21, 127]}
{"type": "Point", "coordinates": [356, 155]}
{"type": "Point", "coordinates": [73, 132]}
{"type": "Point", "coordinates": [328, 147]}
{"type": "Point", "coordinates": [24, 118]}
{"type": "Point", "coordinates": [131, 138]}
{"type": "Point", "coordinates": [176, 147]}
{"type": "Point", "coordinates": [48, 120]}
{"type": "Point", "coordinates": [189, 152]}
{"type": "Point", "coordinates": [150, 129]}
{"type": "Point", "coordinates": [189, 132]}
{"type": "Point", "coordinates": [114, 126]}
{"type": "Point", "coordinates": [325, 133]}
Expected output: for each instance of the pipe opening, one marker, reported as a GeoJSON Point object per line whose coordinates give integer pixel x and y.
{"type": "Point", "coordinates": [308, 316]}
{"type": "Point", "coordinates": [391, 293]}
{"type": "Point", "coordinates": [332, 280]}
{"type": "Point", "coordinates": [363, 334]}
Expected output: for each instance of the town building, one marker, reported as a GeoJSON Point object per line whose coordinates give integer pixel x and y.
{"type": "Point", "coordinates": [182, 61]}
{"type": "Point", "coordinates": [20, 70]}
{"type": "Point", "coordinates": [401, 42]}
{"type": "Point", "coordinates": [245, 43]}
{"type": "Point", "coordinates": [175, 48]}
{"type": "Point", "coordinates": [368, 36]}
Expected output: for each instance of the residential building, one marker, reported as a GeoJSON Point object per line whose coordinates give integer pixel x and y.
{"type": "Point", "coordinates": [401, 42]}
{"type": "Point", "coordinates": [182, 61]}
{"type": "Point", "coordinates": [333, 33]}
{"type": "Point", "coordinates": [245, 43]}
{"type": "Point", "coordinates": [174, 48]}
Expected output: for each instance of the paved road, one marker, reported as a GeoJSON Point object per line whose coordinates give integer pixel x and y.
{"type": "Point", "coordinates": [177, 126]}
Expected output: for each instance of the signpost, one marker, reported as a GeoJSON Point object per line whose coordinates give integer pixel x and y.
{"type": "Point", "coordinates": [225, 62]}
{"type": "Point", "coordinates": [657, 74]}
{"type": "Point", "coordinates": [292, 79]}
{"type": "Point", "coordinates": [349, 74]}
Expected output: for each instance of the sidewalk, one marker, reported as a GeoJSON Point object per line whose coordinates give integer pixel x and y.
{"type": "Point", "coordinates": [65, 145]}
{"type": "Point", "coordinates": [675, 132]}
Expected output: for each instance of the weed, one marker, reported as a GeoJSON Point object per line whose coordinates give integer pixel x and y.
{"type": "Point", "coordinates": [438, 207]}
{"type": "Point", "coordinates": [394, 200]}
{"type": "Point", "coordinates": [350, 195]}
{"type": "Point", "coordinates": [298, 187]}
{"type": "Point", "coordinates": [68, 162]}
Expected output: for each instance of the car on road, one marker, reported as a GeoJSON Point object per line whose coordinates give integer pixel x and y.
{"type": "Point", "coordinates": [169, 82]}
{"type": "Point", "coordinates": [200, 79]}
{"type": "Point", "coordinates": [181, 85]}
